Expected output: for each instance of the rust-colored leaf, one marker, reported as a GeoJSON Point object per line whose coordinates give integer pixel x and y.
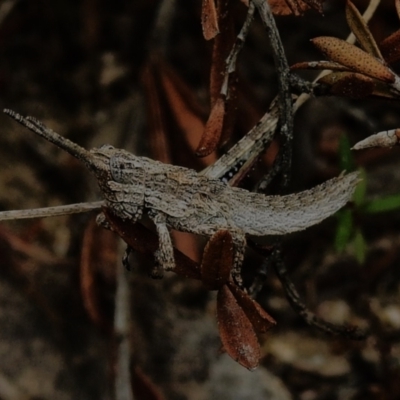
{"type": "Point", "coordinates": [329, 65]}
{"type": "Point", "coordinates": [361, 31]}
{"type": "Point", "coordinates": [185, 109]}
{"type": "Point", "coordinates": [217, 260]}
{"type": "Point", "coordinates": [222, 46]}
{"type": "Point", "coordinates": [261, 320]}
{"type": "Point", "coordinates": [213, 130]}
{"type": "Point", "coordinates": [209, 20]}
{"type": "Point", "coordinates": [391, 48]}
{"type": "Point", "coordinates": [99, 259]}
{"type": "Point", "coordinates": [144, 241]}
{"type": "Point", "coordinates": [349, 84]}
{"type": "Point", "coordinates": [383, 90]}
{"type": "Point", "coordinates": [354, 58]}
{"type": "Point", "coordinates": [236, 331]}
{"type": "Point", "coordinates": [283, 7]}
{"type": "Point", "coordinates": [315, 4]}
{"type": "Point", "coordinates": [295, 7]}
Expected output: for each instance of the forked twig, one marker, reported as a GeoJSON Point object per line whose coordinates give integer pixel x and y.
{"type": "Point", "coordinates": [351, 332]}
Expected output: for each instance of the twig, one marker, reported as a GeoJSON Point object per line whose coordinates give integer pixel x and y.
{"type": "Point", "coordinates": [123, 386]}
{"type": "Point", "coordinates": [351, 332]}
{"type": "Point", "coordinates": [232, 58]}
{"type": "Point", "coordinates": [246, 151]}
{"type": "Point", "coordinates": [51, 211]}
{"type": "Point", "coordinates": [285, 98]}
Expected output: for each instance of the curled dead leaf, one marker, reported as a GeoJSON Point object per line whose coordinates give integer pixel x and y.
{"type": "Point", "coordinates": [354, 58]}
{"type": "Point", "coordinates": [217, 260]}
{"type": "Point", "coordinates": [213, 130]}
{"type": "Point", "coordinates": [260, 319]}
{"type": "Point", "coordinates": [391, 47]}
{"type": "Point", "coordinates": [236, 331]}
{"type": "Point", "coordinates": [349, 84]}
{"type": "Point", "coordinates": [361, 31]}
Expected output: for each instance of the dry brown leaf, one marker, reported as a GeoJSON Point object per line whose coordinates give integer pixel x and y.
{"type": "Point", "coordinates": [213, 130]}
{"type": "Point", "coordinates": [352, 57]}
{"type": "Point", "coordinates": [222, 46]}
{"type": "Point", "coordinates": [186, 112]}
{"type": "Point", "coordinates": [144, 241]}
{"type": "Point", "coordinates": [217, 260]}
{"type": "Point", "coordinates": [295, 7]}
{"type": "Point", "coordinates": [260, 319]}
{"type": "Point", "coordinates": [315, 4]}
{"type": "Point", "coordinates": [281, 7]}
{"type": "Point", "coordinates": [349, 84]}
{"type": "Point", "coordinates": [397, 4]}
{"type": "Point", "coordinates": [209, 20]}
{"type": "Point", "coordinates": [361, 31]}
{"type": "Point", "coordinates": [236, 331]}
{"type": "Point", "coordinates": [391, 47]}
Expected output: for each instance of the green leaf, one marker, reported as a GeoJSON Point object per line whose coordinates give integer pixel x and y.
{"type": "Point", "coordinates": [346, 160]}
{"type": "Point", "coordinates": [383, 204]}
{"type": "Point", "coordinates": [344, 229]}
{"type": "Point", "coordinates": [361, 188]}
{"type": "Point", "coordinates": [360, 246]}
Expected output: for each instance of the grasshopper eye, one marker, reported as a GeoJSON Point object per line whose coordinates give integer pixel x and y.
{"type": "Point", "coordinates": [117, 167]}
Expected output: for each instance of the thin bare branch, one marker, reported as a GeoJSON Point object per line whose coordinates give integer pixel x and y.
{"type": "Point", "coordinates": [285, 97]}
{"type": "Point", "coordinates": [240, 40]}
{"type": "Point", "coordinates": [123, 386]}
{"type": "Point", "coordinates": [51, 211]}
{"type": "Point", "coordinates": [351, 332]}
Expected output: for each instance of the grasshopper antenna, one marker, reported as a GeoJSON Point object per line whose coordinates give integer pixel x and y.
{"type": "Point", "coordinates": [40, 129]}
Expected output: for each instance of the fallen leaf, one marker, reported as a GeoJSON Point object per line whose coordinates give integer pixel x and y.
{"type": "Point", "coordinates": [213, 130]}
{"type": "Point", "coordinates": [349, 84]}
{"type": "Point", "coordinates": [236, 331]}
{"type": "Point", "coordinates": [260, 319]}
{"type": "Point", "coordinates": [391, 47]}
{"type": "Point", "coordinates": [209, 20]}
{"type": "Point", "coordinates": [361, 31]}
{"type": "Point", "coordinates": [217, 260]}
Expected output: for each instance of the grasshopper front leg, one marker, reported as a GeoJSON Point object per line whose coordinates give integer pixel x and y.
{"type": "Point", "coordinates": [165, 260]}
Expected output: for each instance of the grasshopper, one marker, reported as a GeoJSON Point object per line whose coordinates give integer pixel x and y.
{"type": "Point", "coordinates": [179, 198]}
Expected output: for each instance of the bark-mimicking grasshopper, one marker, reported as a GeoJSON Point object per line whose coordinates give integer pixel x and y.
{"type": "Point", "coordinates": [182, 199]}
